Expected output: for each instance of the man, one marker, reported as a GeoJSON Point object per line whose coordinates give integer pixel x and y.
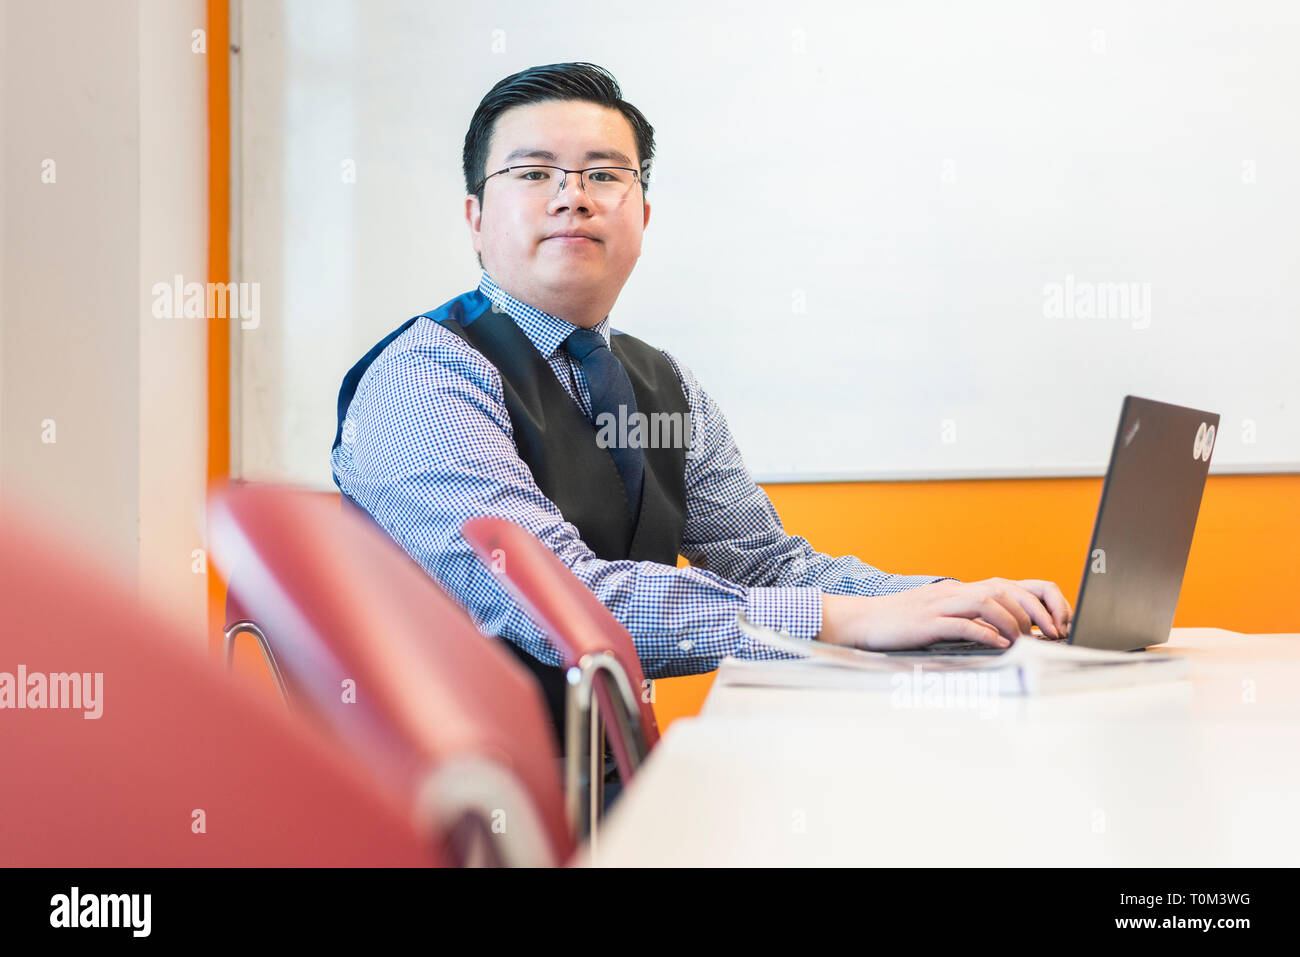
{"type": "Point", "coordinates": [496, 403]}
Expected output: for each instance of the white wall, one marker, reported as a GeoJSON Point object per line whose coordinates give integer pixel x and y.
{"type": "Point", "coordinates": [857, 211]}
{"type": "Point", "coordinates": [173, 352]}
{"type": "Point", "coordinates": [112, 93]}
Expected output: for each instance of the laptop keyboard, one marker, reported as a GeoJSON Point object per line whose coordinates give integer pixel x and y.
{"type": "Point", "coordinates": [960, 646]}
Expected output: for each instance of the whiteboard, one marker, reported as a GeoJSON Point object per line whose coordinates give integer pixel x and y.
{"type": "Point", "coordinates": [893, 240]}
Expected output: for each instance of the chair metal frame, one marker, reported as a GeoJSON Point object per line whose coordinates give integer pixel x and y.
{"type": "Point", "coordinates": [584, 789]}
{"type": "Point", "coordinates": [463, 797]}
{"type": "Point", "coordinates": [246, 626]}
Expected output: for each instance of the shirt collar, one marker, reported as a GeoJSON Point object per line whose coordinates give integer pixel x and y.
{"type": "Point", "coordinates": [545, 331]}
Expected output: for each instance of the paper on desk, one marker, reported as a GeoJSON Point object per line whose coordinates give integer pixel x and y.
{"type": "Point", "coordinates": [1029, 666]}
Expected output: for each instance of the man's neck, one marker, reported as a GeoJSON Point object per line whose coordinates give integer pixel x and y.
{"type": "Point", "coordinates": [584, 312]}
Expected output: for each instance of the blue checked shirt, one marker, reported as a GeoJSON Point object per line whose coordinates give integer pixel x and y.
{"type": "Point", "coordinates": [428, 444]}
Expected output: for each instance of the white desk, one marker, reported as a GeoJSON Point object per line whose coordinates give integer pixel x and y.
{"type": "Point", "coordinates": [1203, 771]}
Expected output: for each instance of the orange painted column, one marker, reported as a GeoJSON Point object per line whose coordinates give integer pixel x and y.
{"type": "Point", "coordinates": [218, 27]}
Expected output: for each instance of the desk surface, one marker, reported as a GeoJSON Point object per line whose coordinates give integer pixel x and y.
{"type": "Point", "coordinates": [1203, 771]}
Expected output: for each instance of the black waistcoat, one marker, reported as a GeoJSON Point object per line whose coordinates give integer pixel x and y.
{"type": "Point", "coordinates": [558, 443]}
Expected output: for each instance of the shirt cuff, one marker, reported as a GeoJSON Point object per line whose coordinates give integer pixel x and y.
{"type": "Point", "coordinates": [794, 610]}
{"type": "Point", "coordinates": [899, 583]}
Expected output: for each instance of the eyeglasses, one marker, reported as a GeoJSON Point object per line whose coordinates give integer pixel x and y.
{"type": "Point", "coordinates": [604, 184]}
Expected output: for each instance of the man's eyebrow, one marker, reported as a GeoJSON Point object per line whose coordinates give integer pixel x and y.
{"type": "Point", "coordinates": [548, 155]}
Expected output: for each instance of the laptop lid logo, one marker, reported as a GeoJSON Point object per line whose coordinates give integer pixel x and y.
{"type": "Point", "coordinates": [1204, 443]}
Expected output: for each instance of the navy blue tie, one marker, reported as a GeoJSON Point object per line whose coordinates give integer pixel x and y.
{"type": "Point", "coordinates": [610, 388]}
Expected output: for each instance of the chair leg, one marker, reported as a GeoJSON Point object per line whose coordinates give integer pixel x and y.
{"type": "Point", "coordinates": [241, 627]}
{"type": "Point", "coordinates": [596, 770]}
{"type": "Point", "coordinates": [588, 729]}
{"type": "Point", "coordinates": [577, 760]}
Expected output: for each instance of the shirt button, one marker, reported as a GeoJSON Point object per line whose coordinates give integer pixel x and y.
{"type": "Point", "coordinates": [686, 644]}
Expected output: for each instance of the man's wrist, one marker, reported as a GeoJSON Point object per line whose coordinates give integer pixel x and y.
{"type": "Point", "coordinates": [835, 613]}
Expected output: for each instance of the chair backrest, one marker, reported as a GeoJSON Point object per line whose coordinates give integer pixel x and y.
{"type": "Point", "coordinates": [567, 610]}
{"type": "Point", "coordinates": [154, 757]}
{"type": "Point", "coordinates": [396, 668]}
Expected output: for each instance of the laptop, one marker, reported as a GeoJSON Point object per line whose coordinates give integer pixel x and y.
{"type": "Point", "coordinates": [1134, 568]}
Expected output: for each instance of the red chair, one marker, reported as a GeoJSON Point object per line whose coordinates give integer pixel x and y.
{"type": "Point", "coordinates": [592, 643]}
{"type": "Point", "coordinates": [368, 644]}
{"type": "Point", "coordinates": [182, 766]}
{"type": "Point", "coordinates": [240, 622]}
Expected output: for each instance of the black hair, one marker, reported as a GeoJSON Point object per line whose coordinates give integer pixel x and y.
{"type": "Point", "coordinates": [555, 81]}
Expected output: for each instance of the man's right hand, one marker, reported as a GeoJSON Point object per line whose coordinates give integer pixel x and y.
{"type": "Point", "coordinates": [994, 612]}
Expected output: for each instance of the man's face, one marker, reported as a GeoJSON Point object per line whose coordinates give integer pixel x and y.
{"type": "Point", "coordinates": [514, 228]}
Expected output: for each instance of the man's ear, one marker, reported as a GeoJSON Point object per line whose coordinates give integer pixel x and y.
{"type": "Point", "coordinates": [474, 218]}
{"type": "Point", "coordinates": [646, 204]}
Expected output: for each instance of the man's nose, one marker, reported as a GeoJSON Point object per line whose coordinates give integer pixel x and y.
{"type": "Point", "coordinates": [571, 190]}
